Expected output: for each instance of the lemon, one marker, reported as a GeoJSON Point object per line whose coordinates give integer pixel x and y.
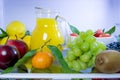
{"type": "Point", "coordinates": [16, 28]}
{"type": "Point", "coordinates": [27, 40]}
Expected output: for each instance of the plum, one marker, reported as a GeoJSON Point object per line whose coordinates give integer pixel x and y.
{"type": "Point", "coordinates": [8, 56]}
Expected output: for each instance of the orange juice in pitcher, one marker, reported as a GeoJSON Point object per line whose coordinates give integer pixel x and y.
{"type": "Point", "coordinates": [46, 29]}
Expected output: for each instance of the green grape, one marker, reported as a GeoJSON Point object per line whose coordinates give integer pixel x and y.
{"type": "Point", "coordinates": [90, 39]}
{"type": "Point", "coordinates": [76, 65]}
{"type": "Point", "coordinates": [85, 47]}
{"type": "Point", "coordinates": [89, 53]}
{"type": "Point", "coordinates": [89, 32]}
{"type": "Point", "coordinates": [71, 44]}
{"type": "Point", "coordinates": [97, 51]}
{"type": "Point", "coordinates": [101, 45]}
{"type": "Point", "coordinates": [78, 40]}
{"type": "Point", "coordinates": [90, 63]}
{"type": "Point", "coordinates": [85, 57]}
{"type": "Point", "coordinates": [70, 55]}
{"type": "Point", "coordinates": [82, 35]}
{"type": "Point", "coordinates": [77, 52]}
{"type": "Point", "coordinates": [93, 60]}
{"type": "Point", "coordinates": [83, 65]}
{"type": "Point", "coordinates": [93, 46]}
{"type": "Point", "coordinates": [70, 64]}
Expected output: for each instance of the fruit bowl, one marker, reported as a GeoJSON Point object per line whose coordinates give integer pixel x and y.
{"type": "Point", "coordinates": [105, 40]}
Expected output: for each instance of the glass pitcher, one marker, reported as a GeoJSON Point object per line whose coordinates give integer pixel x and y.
{"type": "Point", "coordinates": [48, 27]}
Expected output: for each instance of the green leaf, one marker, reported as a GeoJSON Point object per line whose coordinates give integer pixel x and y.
{"type": "Point", "coordinates": [74, 29]}
{"type": "Point", "coordinates": [3, 31]}
{"type": "Point", "coordinates": [112, 30]}
{"type": "Point", "coordinates": [4, 34]}
{"type": "Point", "coordinates": [22, 69]}
{"type": "Point", "coordinates": [8, 70]}
{"type": "Point", "coordinates": [25, 57]}
{"type": "Point", "coordinates": [58, 55]}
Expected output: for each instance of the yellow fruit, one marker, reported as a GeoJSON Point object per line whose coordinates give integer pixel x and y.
{"type": "Point", "coordinates": [3, 41]}
{"type": "Point", "coordinates": [16, 28]}
{"type": "Point", "coordinates": [27, 40]}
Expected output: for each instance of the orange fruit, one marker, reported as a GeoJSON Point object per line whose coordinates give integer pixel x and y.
{"type": "Point", "coordinates": [42, 60]}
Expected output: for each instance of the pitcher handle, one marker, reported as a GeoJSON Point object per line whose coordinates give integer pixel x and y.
{"type": "Point", "coordinates": [65, 28]}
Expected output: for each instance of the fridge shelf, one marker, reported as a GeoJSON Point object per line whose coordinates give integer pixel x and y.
{"type": "Point", "coordinates": [58, 76]}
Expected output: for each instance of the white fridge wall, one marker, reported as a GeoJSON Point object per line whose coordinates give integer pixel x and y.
{"type": "Point", "coordinates": [85, 14]}
{"type": "Point", "coordinates": [1, 13]}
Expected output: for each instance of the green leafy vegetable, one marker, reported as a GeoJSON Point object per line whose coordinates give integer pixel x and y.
{"type": "Point", "coordinates": [112, 30]}
{"type": "Point", "coordinates": [21, 61]}
{"type": "Point", "coordinates": [74, 29]}
{"type": "Point", "coordinates": [58, 55]}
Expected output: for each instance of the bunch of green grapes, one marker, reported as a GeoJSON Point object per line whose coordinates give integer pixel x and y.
{"type": "Point", "coordinates": [83, 50]}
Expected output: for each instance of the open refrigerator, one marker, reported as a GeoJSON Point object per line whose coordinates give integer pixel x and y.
{"type": "Point", "coordinates": [84, 14]}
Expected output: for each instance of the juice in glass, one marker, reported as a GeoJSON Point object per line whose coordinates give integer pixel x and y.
{"type": "Point", "coordinates": [46, 29]}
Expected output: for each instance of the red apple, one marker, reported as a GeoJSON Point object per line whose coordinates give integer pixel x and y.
{"type": "Point", "coordinates": [20, 45]}
{"type": "Point", "coordinates": [8, 56]}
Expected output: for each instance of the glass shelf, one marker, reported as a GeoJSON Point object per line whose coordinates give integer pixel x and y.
{"type": "Point", "coordinates": [58, 76]}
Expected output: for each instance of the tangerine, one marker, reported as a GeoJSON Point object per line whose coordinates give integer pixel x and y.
{"type": "Point", "coordinates": [42, 60]}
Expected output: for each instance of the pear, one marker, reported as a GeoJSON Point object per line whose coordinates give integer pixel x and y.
{"type": "Point", "coordinates": [108, 61]}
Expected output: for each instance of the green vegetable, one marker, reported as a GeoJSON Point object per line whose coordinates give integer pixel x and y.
{"type": "Point", "coordinates": [3, 34]}
{"type": "Point", "coordinates": [21, 61]}
{"type": "Point", "coordinates": [112, 30]}
{"type": "Point", "coordinates": [58, 55]}
{"type": "Point", "coordinates": [74, 29]}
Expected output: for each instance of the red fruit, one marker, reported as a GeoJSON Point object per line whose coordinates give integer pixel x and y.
{"type": "Point", "coordinates": [8, 56]}
{"type": "Point", "coordinates": [98, 32]}
{"type": "Point", "coordinates": [104, 35]}
{"type": "Point", "coordinates": [73, 34]}
{"type": "Point", "coordinates": [20, 45]}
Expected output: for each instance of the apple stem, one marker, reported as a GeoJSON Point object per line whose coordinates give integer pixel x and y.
{"type": "Point", "coordinates": [41, 48]}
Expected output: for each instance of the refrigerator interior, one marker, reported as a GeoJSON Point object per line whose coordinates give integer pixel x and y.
{"type": "Point", "coordinates": [84, 14]}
